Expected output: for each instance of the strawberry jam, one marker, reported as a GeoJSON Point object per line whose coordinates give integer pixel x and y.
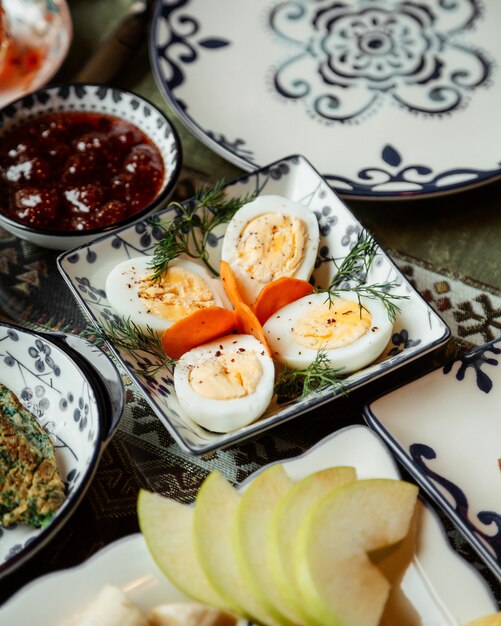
{"type": "Point", "coordinates": [74, 171]}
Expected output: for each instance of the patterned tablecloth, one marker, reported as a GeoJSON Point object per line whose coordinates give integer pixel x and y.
{"type": "Point", "coordinates": [142, 453]}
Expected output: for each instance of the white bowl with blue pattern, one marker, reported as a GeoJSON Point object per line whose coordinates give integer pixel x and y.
{"type": "Point", "coordinates": [94, 99]}
{"type": "Point", "coordinates": [76, 394]}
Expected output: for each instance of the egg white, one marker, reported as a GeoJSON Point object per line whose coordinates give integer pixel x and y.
{"type": "Point", "coordinates": [223, 416]}
{"type": "Point", "coordinates": [248, 286]}
{"type": "Point", "coordinates": [349, 358]}
{"type": "Point", "coordinates": [121, 290]}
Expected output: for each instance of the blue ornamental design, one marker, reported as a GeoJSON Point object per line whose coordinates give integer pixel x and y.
{"type": "Point", "coordinates": [401, 341]}
{"type": "Point", "coordinates": [41, 353]}
{"type": "Point", "coordinates": [476, 360]}
{"type": "Point", "coordinates": [359, 53]}
{"type": "Point", "coordinates": [420, 454]}
{"type": "Point", "coordinates": [183, 41]}
{"type": "Point", "coordinates": [415, 177]}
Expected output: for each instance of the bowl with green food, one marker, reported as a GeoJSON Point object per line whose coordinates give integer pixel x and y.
{"type": "Point", "coordinates": [60, 402]}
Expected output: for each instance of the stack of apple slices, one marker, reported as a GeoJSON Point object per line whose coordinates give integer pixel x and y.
{"type": "Point", "coordinates": [282, 553]}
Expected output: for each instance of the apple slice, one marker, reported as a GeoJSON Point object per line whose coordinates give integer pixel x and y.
{"type": "Point", "coordinates": [494, 619]}
{"type": "Point", "coordinates": [284, 527]}
{"type": "Point", "coordinates": [167, 527]}
{"type": "Point", "coordinates": [336, 578]}
{"type": "Point", "coordinates": [214, 520]}
{"type": "Point", "coordinates": [252, 519]}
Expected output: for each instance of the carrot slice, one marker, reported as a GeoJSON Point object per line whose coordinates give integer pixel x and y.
{"type": "Point", "coordinates": [196, 329]}
{"type": "Point", "coordinates": [278, 294]}
{"type": "Point", "coordinates": [248, 324]}
{"type": "Point", "coordinates": [229, 283]}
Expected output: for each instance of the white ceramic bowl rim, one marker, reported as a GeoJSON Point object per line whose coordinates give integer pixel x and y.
{"type": "Point", "coordinates": [131, 219]}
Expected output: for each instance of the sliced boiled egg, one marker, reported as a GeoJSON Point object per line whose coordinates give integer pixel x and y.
{"type": "Point", "coordinates": [225, 384]}
{"type": "Point", "coordinates": [269, 238]}
{"type": "Point", "coordinates": [352, 335]}
{"type": "Point", "coordinates": [183, 289]}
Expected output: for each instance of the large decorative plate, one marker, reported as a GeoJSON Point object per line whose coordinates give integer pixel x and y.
{"type": "Point", "coordinates": [40, 36]}
{"type": "Point", "coordinates": [427, 594]}
{"type": "Point", "coordinates": [388, 98]}
{"type": "Point", "coordinates": [446, 430]}
{"type": "Point", "coordinates": [417, 330]}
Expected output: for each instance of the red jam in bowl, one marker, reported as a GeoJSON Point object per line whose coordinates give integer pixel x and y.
{"type": "Point", "coordinates": [73, 171]}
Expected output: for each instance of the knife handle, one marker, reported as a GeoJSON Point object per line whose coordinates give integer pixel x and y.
{"type": "Point", "coordinates": [118, 48]}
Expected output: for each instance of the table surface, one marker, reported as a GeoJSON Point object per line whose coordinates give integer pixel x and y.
{"type": "Point", "coordinates": [452, 240]}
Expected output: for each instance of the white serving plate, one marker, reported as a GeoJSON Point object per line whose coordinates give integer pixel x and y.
{"type": "Point", "coordinates": [427, 595]}
{"type": "Point", "coordinates": [44, 25]}
{"type": "Point", "coordinates": [445, 428]}
{"type": "Point", "coordinates": [389, 99]}
{"type": "Point", "coordinates": [85, 269]}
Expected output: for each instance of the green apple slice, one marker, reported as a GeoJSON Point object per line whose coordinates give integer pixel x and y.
{"type": "Point", "coordinates": [335, 576]}
{"type": "Point", "coordinates": [494, 619]}
{"type": "Point", "coordinates": [284, 527]}
{"type": "Point", "coordinates": [252, 519]}
{"type": "Point", "coordinates": [215, 508]}
{"type": "Point", "coordinates": [167, 527]}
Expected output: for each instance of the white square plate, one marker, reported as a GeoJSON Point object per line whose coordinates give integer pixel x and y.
{"type": "Point", "coordinates": [417, 331]}
{"type": "Point", "coordinates": [445, 428]}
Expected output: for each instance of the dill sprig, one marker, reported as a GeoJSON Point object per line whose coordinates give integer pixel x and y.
{"type": "Point", "coordinates": [292, 383]}
{"type": "Point", "coordinates": [376, 291]}
{"type": "Point", "coordinates": [189, 232]}
{"type": "Point", "coordinates": [353, 271]}
{"type": "Point", "coordinates": [144, 345]}
{"type": "Point", "coordinates": [356, 264]}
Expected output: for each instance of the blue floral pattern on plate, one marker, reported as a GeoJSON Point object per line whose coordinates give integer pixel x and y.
{"type": "Point", "coordinates": [326, 78]}
{"type": "Point", "coordinates": [296, 179]}
{"type": "Point", "coordinates": [361, 52]}
{"type": "Point", "coordinates": [48, 382]}
{"type": "Point", "coordinates": [445, 429]}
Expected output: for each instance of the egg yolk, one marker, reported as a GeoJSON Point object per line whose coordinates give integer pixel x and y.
{"type": "Point", "coordinates": [272, 245]}
{"type": "Point", "coordinates": [327, 327]}
{"type": "Point", "coordinates": [177, 294]}
{"type": "Point", "coordinates": [226, 376]}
